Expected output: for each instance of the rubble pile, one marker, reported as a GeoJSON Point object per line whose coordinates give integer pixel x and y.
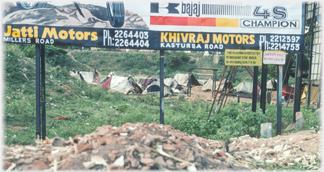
{"type": "Point", "coordinates": [283, 150]}
{"type": "Point", "coordinates": [140, 146]}
{"type": "Point", "coordinates": [144, 146]}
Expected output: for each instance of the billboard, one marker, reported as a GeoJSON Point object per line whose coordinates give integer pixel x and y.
{"type": "Point", "coordinates": [243, 58]}
{"type": "Point", "coordinates": [173, 25]}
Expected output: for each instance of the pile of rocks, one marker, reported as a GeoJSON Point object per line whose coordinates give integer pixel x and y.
{"type": "Point", "coordinates": [302, 147]}
{"type": "Point", "coordinates": [144, 146]}
{"type": "Point", "coordinates": [140, 146]}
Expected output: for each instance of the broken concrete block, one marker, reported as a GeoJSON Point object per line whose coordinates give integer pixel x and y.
{"type": "Point", "coordinates": [299, 120]}
{"type": "Point", "coordinates": [58, 142]}
{"type": "Point", "coordinates": [266, 130]}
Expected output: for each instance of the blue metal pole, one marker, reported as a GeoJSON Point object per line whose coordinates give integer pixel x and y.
{"type": "Point", "coordinates": [38, 130]}
{"type": "Point", "coordinates": [161, 86]}
{"type": "Point", "coordinates": [43, 92]}
{"type": "Point", "coordinates": [279, 101]}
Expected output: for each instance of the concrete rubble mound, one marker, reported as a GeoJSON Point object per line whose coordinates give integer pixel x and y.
{"type": "Point", "coordinates": [302, 147]}
{"type": "Point", "coordinates": [140, 146]}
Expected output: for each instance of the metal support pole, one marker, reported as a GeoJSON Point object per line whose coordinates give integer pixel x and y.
{"type": "Point", "coordinates": [298, 84]}
{"type": "Point", "coordinates": [320, 86]}
{"type": "Point", "coordinates": [279, 101]}
{"type": "Point", "coordinates": [230, 84]}
{"type": "Point", "coordinates": [214, 83]}
{"type": "Point", "coordinates": [161, 86]}
{"type": "Point", "coordinates": [255, 88]}
{"type": "Point", "coordinates": [220, 82]}
{"type": "Point", "coordinates": [38, 128]}
{"type": "Point", "coordinates": [264, 87]}
{"type": "Point", "coordinates": [43, 92]}
{"type": "Point", "coordinates": [189, 84]}
{"type": "Point", "coordinates": [309, 87]}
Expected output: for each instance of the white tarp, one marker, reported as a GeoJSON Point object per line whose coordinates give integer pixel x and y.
{"type": "Point", "coordinates": [271, 84]}
{"type": "Point", "coordinates": [209, 85]}
{"type": "Point", "coordinates": [183, 79]}
{"type": "Point", "coordinates": [172, 83]}
{"type": "Point", "coordinates": [156, 84]}
{"type": "Point", "coordinates": [245, 87]}
{"type": "Point", "coordinates": [120, 84]}
{"type": "Point", "coordinates": [88, 77]}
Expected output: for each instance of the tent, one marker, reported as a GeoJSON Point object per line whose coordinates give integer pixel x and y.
{"type": "Point", "coordinates": [209, 85]}
{"type": "Point", "coordinates": [272, 84]}
{"type": "Point", "coordinates": [183, 79]}
{"type": "Point", "coordinates": [124, 85]}
{"type": "Point", "coordinates": [88, 77]}
{"type": "Point", "coordinates": [107, 77]}
{"type": "Point", "coordinates": [313, 94]}
{"type": "Point", "coordinates": [155, 87]}
{"type": "Point", "coordinates": [144, 82]}
{"type": "Point", "coordinates": [202, 81]}
{"type": "Point", "coordinates": [173, 84]}
{"type": "Point", "coordinates": [245, 87]}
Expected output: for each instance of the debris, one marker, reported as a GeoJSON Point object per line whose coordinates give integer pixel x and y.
{"type": "Point", "coordinates": [156, 146]}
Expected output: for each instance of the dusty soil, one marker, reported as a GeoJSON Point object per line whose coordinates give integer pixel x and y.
{"type": "Point", "coordinates": [198, 93]}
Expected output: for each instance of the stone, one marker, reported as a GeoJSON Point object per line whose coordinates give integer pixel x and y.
{"type": "Point", "coordinates": [111, 141]}
{"type": "Point", "coordinates": [192, 168]}
{"type": "Point", "coordinates": [221, 153]}
{"type": "Point", "coordinates": [29, 161]}
{"type": "Point", "coordinates": [102, 130]}
{"type": "Point", "coordinates": [299, 120]}
{"type": "Point", "coordinates": [168, 147]}
{"type": "Point", "coordinates": [119, 161]}
{"type": "Point", "coordinates": [89, 164]}
{"type": "Point", "coordinates": [37, 165]}
{"type": "Point", "coordinates": [134, 162]}
{"type": "Point", "coordinates": [318, 114]}
{"type": "Point", "coordinates": [83, 147]}
{"type": "Point", "coordinates": [178, 146]}
{"type": "Point", "coordinates": [98, 160]}
{"type": "Point", "coordinates": [112, 155]}
{"type": "Point", "coordinates": [147, 161]}
{"type": "Point", "coordinates": [159, 160]}
{"type": "Point", "coordinates": [169, 163]}
{"type": "Point", "coordinates": [76, 138]}
{"type": "Point", "coordinates": [58, 142]}
{"type": "Point", "coordinates": [6, 164]}
{"type": "Point", "coordinates": [266, 130]}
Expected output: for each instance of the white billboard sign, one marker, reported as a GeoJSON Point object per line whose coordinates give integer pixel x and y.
{"type": "Point", "coordinates": [274, 57]}
{"type": "Point", "coordinates": [168, 25]}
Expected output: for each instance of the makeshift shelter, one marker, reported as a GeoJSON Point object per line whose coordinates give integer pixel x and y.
{"type": "Point", "coordinates": [245, 87]}
{"type": "Point", "coordinates": [75, 74]}
{"type": "Point", "coordinates": [272, 84]}
{"type": "Point", "coordinates": [209, 85]}
{"type": "Point", "coordinates": [183, 79]}
{"type": "Point", "coordinates": [155, 87]}
{"type": "Point", "coordinates": [107, 77]}
{"type": "Point", "coordinates": [173, 84]}
{"type": "Point", "coordinates": [313, 94]}
{"type": "Point", "coordinates": [124, 85]}
{"type": "Point", "coordinates": [202, 81]}
{"type": "Point", "coordinates": [144, 82]}
{"type": "Point", "coordinates": [88, 77]}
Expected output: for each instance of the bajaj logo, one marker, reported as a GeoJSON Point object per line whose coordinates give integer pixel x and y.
{"type": "Point", "coordinates": [171, 8]}
{"type": "Point", "coordinates": [190, 9]}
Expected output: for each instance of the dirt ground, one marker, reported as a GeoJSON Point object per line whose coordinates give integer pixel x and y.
{"type": "Point", "coordinates": [198, 93]}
